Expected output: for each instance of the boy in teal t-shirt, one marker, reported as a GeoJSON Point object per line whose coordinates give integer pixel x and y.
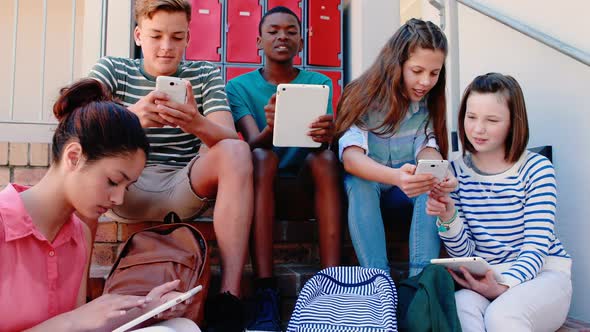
{"type": "Point", "coordinates": [252, 100]}
{"type": "Point", "coordinates": [250, 93]}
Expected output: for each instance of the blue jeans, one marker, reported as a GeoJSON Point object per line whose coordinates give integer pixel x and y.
{"type": "Point", "coordinates": [366, 199]}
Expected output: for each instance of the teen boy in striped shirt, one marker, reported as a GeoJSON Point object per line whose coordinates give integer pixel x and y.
{"type": "Point", "coordinates": [195, 154]}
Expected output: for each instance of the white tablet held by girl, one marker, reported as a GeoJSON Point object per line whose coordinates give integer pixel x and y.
{"type": "Point", "coordinates": [475, 265]}
{"type": "Point", "coordinates": [162, 307]}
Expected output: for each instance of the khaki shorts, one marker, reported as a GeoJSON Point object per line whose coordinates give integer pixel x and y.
{"type": "Point", "coordinates": [161, 189]}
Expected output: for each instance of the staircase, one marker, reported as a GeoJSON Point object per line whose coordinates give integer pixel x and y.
{"type": "Point", "coordinates": [296, 250]}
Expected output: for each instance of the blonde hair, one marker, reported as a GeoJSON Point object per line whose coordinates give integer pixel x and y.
{"type": "Point", "coordinates": [147, 8]}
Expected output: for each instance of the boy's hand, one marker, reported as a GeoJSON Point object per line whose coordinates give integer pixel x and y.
{"type": "Point", "coordinates": [414, 184]}
{"type": "Point", "coordinates": [147, 112]}
{"type": "Point", "coordinates": [440, 206]}
{"type": "Point", "coordinates": [185, 116]}
{"type": "Point", "coordinates": [269, 111]}
{"type": "Point", "coordinates": [322, 129]}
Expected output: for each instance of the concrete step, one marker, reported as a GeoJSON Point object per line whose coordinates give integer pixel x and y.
{"type": "Point", "coordinates": [290, 280]}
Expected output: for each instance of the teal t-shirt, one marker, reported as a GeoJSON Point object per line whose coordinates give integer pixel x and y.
{"type": "Point", "coordinates": [249, 93]}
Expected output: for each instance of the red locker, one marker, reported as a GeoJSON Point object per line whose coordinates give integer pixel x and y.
{"type": "Point", "coordinates": [294, 6]}
{"type": "Point", "coordinates": [231, 72]}
{"type": "Point", "coordinates": [336, 77]}
{"type": "Point", "coordinates": [324, 33]}
{"type": "Point", "coordinates": [205, 28]}
{"type": "Point", "coordinates": [241, 31]}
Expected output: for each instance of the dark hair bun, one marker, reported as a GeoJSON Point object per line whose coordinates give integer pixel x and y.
{"type": "Point", "coordinates": [78, 95]}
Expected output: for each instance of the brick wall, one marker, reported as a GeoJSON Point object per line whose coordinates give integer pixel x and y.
{"type": "Point", "coordinates": [23, 163]}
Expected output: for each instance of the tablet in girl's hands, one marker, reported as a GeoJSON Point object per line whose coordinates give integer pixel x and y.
{"type": "Point", "coordinates": [475, 265]}
{"type": "Point", "coordinates": [297, 107]}
{"type": "Point", "coordinates": [162, 307]}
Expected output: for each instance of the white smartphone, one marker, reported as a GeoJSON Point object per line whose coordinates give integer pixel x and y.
{"type": "Point", "coordinates": [174, 87]}
{"type": "Point", "coordinates": [438, 168]}
{"type": "Point", "coordinates": [475, 265]}
{"type": "Point", "coordinates": [297, 106]}
{"type": "Point", "coordinates": [162, 307]}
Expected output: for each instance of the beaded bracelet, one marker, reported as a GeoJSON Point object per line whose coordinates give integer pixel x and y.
{"type": "Point", "coordinates": [444, 226]}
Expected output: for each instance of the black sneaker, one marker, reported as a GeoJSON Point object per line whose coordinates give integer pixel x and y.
{"type": "Point", "coordinates": [267, 318]}
{"type": "Point", "coordinates": [224, 313]}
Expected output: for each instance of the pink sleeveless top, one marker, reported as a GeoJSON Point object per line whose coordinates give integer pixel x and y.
{"type": "Point", "coordinates": [38, 279]}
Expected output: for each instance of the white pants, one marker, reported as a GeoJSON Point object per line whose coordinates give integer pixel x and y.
{"type": "Point", "coordinates": [540, 304]}
{"type": "Point", "coordinates": [173, 325]}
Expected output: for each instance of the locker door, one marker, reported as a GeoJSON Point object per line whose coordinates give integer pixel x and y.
{"type": "Point", "coordinates": [294, 6]}
{"type": "Point", "coordinates": [241, 31]}
{"type": "Point", "coordinates": [323, 43]}
{"type": "Point", "coordinates": [233, 71]}
{"type": "Point", "coordinates": [336, 77]}
{"type": "Point", "coordinates": [206, 21]}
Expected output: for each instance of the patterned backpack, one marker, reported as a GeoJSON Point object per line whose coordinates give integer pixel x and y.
{"type": "Point", "coordinates": [346, 298]}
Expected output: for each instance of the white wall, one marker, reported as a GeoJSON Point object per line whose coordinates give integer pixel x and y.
{"type": "Point", "coordinates": [41, 69]}
{"type": "Point", "coordinates": [370, 24]}
{"type": "Point", "coordinates": [557, 95]}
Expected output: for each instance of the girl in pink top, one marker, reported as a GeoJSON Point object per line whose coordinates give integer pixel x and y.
{"type": "Point", "coordinates": [99, 148]}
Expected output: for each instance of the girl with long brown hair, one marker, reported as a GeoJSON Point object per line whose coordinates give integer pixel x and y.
{"type": "Point", "coordinates": [391, 116]}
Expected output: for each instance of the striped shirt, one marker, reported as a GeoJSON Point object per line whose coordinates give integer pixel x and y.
{"type": "Point", "coordinates": [507, 218]}
{"type": "Point", "coordinates": [129, 82]}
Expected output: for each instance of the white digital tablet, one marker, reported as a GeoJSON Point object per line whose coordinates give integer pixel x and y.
{"type": "Point", "coordinates": [162, 307]}
{"type": "Point", "coordinates": [297, 106]}
{"type": "Point", "coordinates": [475, 265]}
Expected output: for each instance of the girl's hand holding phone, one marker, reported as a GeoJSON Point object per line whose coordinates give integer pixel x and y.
{"type": "Point", "coordinates": [440, 206]}
{"type": "Point", "coordinates": [445, 187]}
{"type": "Point", "coordinates": [415, 184]}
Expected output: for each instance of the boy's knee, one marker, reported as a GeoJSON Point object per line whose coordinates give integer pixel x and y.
{"type": "Point", "coordinates": [237, 152]}
{"type": "Point", "coordinates": [323, 163]}
{"type": "Point", "coordinates": [266, 163]}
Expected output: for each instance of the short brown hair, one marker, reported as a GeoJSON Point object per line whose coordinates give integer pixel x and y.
{"type": "Point", "coordinates": [507, 87]}
{"type": "Point", "coordinates": [147, 8]}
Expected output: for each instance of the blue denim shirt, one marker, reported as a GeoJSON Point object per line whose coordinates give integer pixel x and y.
{"type": "Point", "coordinates": [400, 148]}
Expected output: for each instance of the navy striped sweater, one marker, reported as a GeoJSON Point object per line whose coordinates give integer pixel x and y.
{"type": "Point", "coordinates": [507, 218]}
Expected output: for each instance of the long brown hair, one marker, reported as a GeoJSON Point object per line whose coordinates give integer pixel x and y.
{"type": "Point", "coordinates": [509, 89]}
{"type": "Point", "coordinates": [381, 86]}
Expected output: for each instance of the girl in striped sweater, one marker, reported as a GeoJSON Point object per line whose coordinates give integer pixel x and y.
{"type": "Point", "coordinates": [503, 210]}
